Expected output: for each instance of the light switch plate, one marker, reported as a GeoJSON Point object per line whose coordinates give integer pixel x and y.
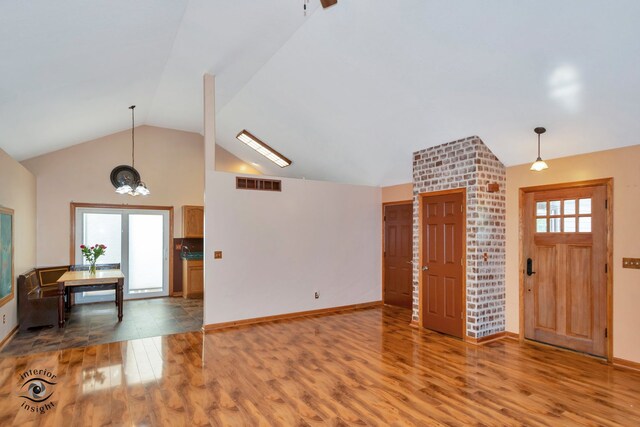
{"type": "Point", "coordinates": [631, 263]}
{"type": "Point", "coordinates": [217, 255]}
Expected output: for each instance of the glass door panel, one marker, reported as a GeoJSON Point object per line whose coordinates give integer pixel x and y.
{"type": "Point", "coordinates": [100, 228]}
{"type": "Point", "coordinates": [106, 229]}
{"type": "Point", "coordinates": [146, 255]}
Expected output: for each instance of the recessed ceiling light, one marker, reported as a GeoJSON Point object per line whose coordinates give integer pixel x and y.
{"type": "Point", "coordinates": [263, 149]}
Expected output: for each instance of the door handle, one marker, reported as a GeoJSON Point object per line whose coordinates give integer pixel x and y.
{"type": "Point", "coordinates": [409, 262]}
{"type": "Point", "coordinates": [425, 268]}
{"type": "Point", "coordinates": [530, 267]}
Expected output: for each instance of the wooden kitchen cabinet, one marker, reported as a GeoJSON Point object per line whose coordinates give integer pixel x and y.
{"type": "Point", "coordinates": [192, 221]}
{"type": "Point", "coordinates": [192, 278]}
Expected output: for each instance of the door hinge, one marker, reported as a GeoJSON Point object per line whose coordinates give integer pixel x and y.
{"type": "Point", "coordinates": [384, 218]}
{"type": "Point", "coordinates": [461, 209]}
{"type": "Point", "coordinates": [462, 315]}
{"type": "Point", "coordinates": [606, 332]}
{"type": "Point", "coordinates": [606, 268]}
{"type": "Point", "coordinates": [606, 203]}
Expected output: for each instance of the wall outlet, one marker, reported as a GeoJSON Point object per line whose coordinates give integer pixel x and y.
{"type": "Point", "coordinates": [217, 255]}
{"type": "Point", "coordinates": [316, 295]}
{"type": "Point", "coordinates": [4, 319]}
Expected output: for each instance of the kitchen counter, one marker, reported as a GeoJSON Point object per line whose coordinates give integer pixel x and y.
{"type": "Point", "coordinates": [192, 256]}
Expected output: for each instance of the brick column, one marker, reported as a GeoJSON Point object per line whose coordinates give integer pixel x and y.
{"type": "Point", "coordinates": [468, 163]}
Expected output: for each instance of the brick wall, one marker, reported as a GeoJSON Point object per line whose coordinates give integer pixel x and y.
{"type": "Point", "coordinates": [470, 164]}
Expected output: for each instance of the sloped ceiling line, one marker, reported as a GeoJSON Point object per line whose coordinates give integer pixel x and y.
{"type": "Point", "coordinates": [348, 93]}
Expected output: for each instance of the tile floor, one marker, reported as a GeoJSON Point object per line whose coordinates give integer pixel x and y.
{"type": "Point", "coordinates": [90, 324]}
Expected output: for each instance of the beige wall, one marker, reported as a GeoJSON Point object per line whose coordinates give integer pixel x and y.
{"type": "Point", "coordinates": [397, 193]}
{"type": "Point", "coordinates": [313, 236]}
{"type": "Point", "coordinates": [18, 192]}
{"type": "Point", "coordinates": [624, 166]}
{"type": "Point", "coordinates": [170, 162]}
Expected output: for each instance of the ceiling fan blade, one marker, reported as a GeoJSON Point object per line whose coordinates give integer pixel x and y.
{"type": "Point", "coordinates": [327, 3]}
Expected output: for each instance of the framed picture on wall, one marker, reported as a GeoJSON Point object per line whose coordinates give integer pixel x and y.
{"type": "Point", "coordinates": [6, 255]}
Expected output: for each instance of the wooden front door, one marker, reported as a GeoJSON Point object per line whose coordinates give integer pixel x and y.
{"type": "Point", "coordinates": [441, 263]}
{"type": "Point", "coordinates": [398, 249]}
{"type": "Point", "coordinates": [565, 268]}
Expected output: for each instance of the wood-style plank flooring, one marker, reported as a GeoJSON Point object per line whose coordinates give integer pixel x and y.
{"type": "Point", "coordinates": [366, 367]}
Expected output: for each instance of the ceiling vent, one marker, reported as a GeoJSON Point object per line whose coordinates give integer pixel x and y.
{"type": "Point", "coordinates": [243, 183]}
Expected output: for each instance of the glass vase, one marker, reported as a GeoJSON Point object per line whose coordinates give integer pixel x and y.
{"type": "Point", "coordinates": [92, 268]}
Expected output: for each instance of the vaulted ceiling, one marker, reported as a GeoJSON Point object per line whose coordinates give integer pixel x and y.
{"type": "Point", "coordinates": [347, 93]}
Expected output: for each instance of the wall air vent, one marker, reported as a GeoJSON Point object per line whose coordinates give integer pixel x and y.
{"type": "Point", "coordinates": [243, 183]}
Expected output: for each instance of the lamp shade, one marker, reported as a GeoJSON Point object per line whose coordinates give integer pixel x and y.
{"type": "Point", "coordinates": [539, 165]}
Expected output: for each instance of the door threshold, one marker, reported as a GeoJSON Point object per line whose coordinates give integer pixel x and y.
{"type": "Point", "coordinates": [569, 350]}
{"type": "Point", "coordinates": [442, 333]}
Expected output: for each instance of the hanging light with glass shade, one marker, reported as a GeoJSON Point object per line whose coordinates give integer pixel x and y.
{"type": "Point", "coordinates": [539, 164]}
{"type": "Point", "coordinates": [124, 178]}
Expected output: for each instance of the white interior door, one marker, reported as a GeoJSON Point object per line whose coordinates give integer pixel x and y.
{"type": "Point", "coordinates": [137, 239]}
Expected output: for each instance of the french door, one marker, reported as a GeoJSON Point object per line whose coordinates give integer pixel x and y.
{"type": "Point", "coordinates": [137, 239]}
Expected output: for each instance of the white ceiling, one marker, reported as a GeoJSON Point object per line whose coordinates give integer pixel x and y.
{"type": "Point", "coordinates": [348, 93]}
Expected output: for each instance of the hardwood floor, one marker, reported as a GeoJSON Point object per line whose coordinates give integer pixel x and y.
{"type": "Point", "coordinates": [366, 367]}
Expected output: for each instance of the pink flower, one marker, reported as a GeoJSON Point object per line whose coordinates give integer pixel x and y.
{"type": "Point", "coordinates": [91, 247]}
{"type": "Point", "coordinates": [83, 247]}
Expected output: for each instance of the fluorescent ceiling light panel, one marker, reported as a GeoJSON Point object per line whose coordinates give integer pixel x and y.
{"type": "Point", "coordinates": [263, 149]}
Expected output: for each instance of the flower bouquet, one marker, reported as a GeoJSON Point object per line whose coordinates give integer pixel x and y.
{"type": "Point", "coordinates": [92, 254]}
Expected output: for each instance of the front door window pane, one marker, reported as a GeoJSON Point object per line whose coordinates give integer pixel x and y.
{"type": "Point", "coordinates": [569, 207]}
{"type": "Point", "coordinates": [541, 225]}
{"type": "Point", "coordinates": [569, 224]}
{"type": "Point", "coordinates": [541, 208]}
{"type": "Point", "coordinates": [584, 224]}
{"type": "Point", "coordinates": [585, 206]}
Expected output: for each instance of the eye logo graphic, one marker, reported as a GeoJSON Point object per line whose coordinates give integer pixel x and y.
{"type": "Point", "coordinates": [36, 390]}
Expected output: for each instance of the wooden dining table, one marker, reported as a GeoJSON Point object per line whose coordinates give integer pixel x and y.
{"type": "Point", "coordinates": [84, 281]}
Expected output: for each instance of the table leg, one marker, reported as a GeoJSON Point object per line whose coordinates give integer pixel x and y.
{"type": "Point", "coordinates": [119, 297]}
{"type": "Point", "coordinates": [60, 304]}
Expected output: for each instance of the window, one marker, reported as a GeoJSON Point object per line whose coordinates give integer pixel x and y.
{"type": "Point", "coordinates": [563, 216]}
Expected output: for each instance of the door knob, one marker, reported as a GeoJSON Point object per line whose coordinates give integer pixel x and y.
{"type": "Point", "coordinates": [409, 262]}
{"type": "Point", "coordinates": [425, 268]}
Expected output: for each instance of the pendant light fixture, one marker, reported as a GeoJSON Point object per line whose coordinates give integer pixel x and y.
{"type": "Point", "coordinates": [126, 179]}
{"type": "Point", "coordinates": [539, 164]}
